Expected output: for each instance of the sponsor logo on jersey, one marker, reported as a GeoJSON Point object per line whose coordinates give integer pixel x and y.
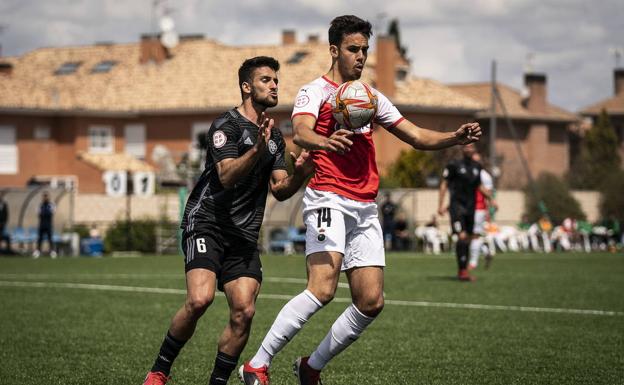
{"type": "Point", "coordinates": [219, 139]}
{"type": "Point", "coordinates": [272, 147]}
{"type": "Point", "coordinates": [302, 101]}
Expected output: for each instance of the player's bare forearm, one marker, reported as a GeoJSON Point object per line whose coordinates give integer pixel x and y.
{"type": "Point", "coordinates": [441, 196]}
{"type": "Point", "coordinates": [287, 187]}
{"type": "Point", "coordinates": [305, 137]}
{"type": "Point", "coordinates": [426, 139]}
{"type": "Point", "coordinates": [232, 170]}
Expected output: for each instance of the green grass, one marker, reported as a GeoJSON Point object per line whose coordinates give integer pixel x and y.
{"type": "Point", "coordinates": [53, 335]}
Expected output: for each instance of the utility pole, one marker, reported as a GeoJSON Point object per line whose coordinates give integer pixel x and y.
{"type": "Point", "coordinates": [492, 143]}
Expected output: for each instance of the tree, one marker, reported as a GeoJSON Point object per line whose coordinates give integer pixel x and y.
{"type": "Point", "coordinates": [555, 194]}
{"type": "Point", "coordinates": [612, 198]}
{"type": "Point", "coordinates": [599, 160]}
{"type": "Point", "coordinates": [411, 169]}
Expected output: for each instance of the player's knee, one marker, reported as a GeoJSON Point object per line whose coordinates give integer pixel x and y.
{"type": "Point", "coordinates": [371, 307]}
{"type": "Point", "coordinates": [242, 315]}
{"type": "Point", "coordinates": [197, 304]}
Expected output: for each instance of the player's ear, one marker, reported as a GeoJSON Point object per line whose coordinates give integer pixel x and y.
{"type": "Point", "coordinates": [246, 88]}
{"type": "Point", "coordinates": [333, 51]}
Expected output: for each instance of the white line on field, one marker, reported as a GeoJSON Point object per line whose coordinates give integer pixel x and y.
{"type": "Point", "coordinates": [303, 281]}
{"type": "Point", "coordinates": [158, 290]}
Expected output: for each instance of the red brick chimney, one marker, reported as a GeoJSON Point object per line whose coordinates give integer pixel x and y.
{"type": "Point", "coordinates": [289, 37]}
{"type": "Point", "coordinates": [536, 83]}
{"type": "Point", "coordinates": [618, 80]}
{"type": "Point", "coordinates": [152, 50]}
{"type": "Point", "coordinates": [6, 68]}
{"type": "Point", "coordinates": [386, 65]}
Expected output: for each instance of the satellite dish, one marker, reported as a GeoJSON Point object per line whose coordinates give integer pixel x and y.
{"type": "Point", "coordinates": [169, 39]}
{"type": "Point", "coordinates": [166, 24]}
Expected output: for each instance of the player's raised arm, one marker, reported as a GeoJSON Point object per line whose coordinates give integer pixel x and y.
{"type": "Point", "coordinates": [303, 127]}
{"type": "Point", "coordinates": [231, 170]}
{"type": "Point", "coordinates": [282, 185]}
{"type": "Point", "coordinates": [425, 139]}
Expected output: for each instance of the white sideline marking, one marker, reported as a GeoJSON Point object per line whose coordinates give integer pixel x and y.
{"type": "Point", "coordinates": [157, 290]}
{"type": "Point", "coordinates": [303, 281]}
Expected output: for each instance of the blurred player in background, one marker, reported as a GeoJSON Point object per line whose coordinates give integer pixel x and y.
{"type": "Point", "coordinates": [340, 213]}
{"type": "Point", "coordinates": [484, 200]}
{"type": "Point", "coordinates": [223, 216]}
{"type": "Point", "coordinates": [462, 178]}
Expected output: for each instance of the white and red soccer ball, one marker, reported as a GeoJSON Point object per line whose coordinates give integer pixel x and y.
{"type": "Point", "coordinates": [354, 105]}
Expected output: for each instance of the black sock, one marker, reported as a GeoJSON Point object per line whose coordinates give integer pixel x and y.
{"type": "Point", "coordinates": [223, 367]}
{"type": "Point", "coordinates": [168, 352]}
{"type": "Point", "coordinates": [461, 250]}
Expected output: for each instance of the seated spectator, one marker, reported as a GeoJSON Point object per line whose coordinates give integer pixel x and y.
{"type": "Point", "coordinates": [401, 234]}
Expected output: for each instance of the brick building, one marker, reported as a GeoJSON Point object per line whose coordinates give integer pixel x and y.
{"type": "Point", "coordinates": [78, 112]}
{"type": "Point", "coordinates": [614, 106]}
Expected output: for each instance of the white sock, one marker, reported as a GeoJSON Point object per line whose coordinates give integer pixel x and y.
{"type": "Point", "coordinates": [347, 328]}
{"type": "Point", "coordinates": [288, 322]}
{"type": "Point", "coordinates": [475, 250]}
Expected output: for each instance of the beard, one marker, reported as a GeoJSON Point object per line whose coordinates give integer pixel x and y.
{"type": "Point", "coordinates": [267, 101]}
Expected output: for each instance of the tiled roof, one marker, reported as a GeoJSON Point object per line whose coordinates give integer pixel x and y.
{"type": "Point", "coordinates": [200, 75]}
{"type": "Point", "coordinates": [115, 162]}
{"type": "Point", "coordinates": [513, 101]}
{"type": "Point", "coordinates": [613, 106]}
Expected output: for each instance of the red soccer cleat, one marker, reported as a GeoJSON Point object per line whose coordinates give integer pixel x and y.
{"type": "Point", "coordinates": [253, 376]}
{"type": "Point", "coordinates": [305, 374]}
{"type": "Point", "coordinates": [464, 276]}
{"type": "Point", "coordinates": [156, 378]}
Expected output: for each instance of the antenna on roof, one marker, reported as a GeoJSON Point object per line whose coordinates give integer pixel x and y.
{"type": "Point", "coordinates": [529, 61]}
{"type": "Point", "coordinates": [168, 36]}
{"type": "Point", "coordinates": [618, 54]}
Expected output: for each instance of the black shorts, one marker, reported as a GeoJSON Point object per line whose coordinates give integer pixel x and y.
{"type": "Point", "coordinates": [227, 256]}
{"type": "Point", "coordinates": [462, 219]}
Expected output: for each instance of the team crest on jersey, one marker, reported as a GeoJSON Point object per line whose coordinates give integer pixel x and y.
{"type": "Point", "coordinates": [302, 101]}
{"type": "Point", "coordinates": [272, 147]}
{"type": "Point", "coordinates": [219, 139]}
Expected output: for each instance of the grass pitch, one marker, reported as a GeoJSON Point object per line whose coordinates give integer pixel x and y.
{"type": "Point", "coordinates": [530, 319]}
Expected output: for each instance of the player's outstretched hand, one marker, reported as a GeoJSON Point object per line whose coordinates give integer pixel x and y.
{"type": "Point", "coordinates": [264, 132]}
{"type": "Point", "coordinates": [442, 210]}
{"type": "Point", "coordinates": [303, 162]}
{"type": "Point", "coordinates": [339, 141]}
{"type": "Point", "coordinates": [468, 133]}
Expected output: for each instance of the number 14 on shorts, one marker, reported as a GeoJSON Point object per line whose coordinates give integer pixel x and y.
{"type": "Point", "coordinates": [324, 216]}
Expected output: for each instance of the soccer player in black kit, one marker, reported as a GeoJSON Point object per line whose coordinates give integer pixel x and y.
{"type": "Point", "coordinates": [223, 216]}
{"type": "Point", "coordinates": [462, 177]}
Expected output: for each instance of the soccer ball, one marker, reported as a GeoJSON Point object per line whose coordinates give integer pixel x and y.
{"type": "Point", "coordinates": [354, 105]}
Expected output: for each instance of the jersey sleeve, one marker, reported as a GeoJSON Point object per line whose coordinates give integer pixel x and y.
{"type": "Point", "coordinates": [223, 142]}
{"type": "Point", "coordinates": [308, 101]}
{"type": "Point", "coordinates": [486, 180]}
{"type": "Point", "coordinates": [388, 115]}
{"type": "Point", "coordinates": [280, 161]}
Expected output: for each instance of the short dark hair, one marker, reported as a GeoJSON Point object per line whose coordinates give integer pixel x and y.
{"type": "Point", "coordinates": [346, 25]}
{"type": "Point", "coordinates": [246, 69]}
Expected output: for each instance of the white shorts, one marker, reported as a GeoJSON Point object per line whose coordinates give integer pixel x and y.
{"type": "Point", "coordinates": [479, 222]}
{"type": "Point", "coordinates": [350, 227]}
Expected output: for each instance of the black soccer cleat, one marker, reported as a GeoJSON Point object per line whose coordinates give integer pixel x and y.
{"type": "Point", "coordinates": [305, 374]}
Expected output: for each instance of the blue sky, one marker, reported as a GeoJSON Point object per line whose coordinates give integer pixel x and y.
{"type": "Point", "coordinates": [453, 41]}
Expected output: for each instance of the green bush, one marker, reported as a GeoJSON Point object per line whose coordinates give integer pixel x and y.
{"type": "Point", "coordinates": [555, 194]}
{"type": "Point", "coordinates": [411, 169]}
{"type": "Point", "coordinates": [140, 236]}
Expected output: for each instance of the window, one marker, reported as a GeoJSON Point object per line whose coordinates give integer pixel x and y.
{"type": "Point", "coordinates": [68, 68]}
{"type": "Point", "coordinates": [42, 133]}
{"type": "Point", "coordinates": [103, 66]}
{"type": "Point", "coordinates": [135, 140]}
{"type": "Point", "coordinates": [297, 57]}
{"type": "Point", "coordinates": [101, 139]}
{"type": "Point", "coordinates": [8, 150]}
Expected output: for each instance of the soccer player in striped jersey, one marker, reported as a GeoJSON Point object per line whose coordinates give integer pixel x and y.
{"type": "Point", "coordinates": [223, 216]}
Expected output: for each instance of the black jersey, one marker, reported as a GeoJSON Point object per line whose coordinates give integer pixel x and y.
{"type": "Point", "coordinates": [463, 177]}
{"type": "Point", "coordinates": [237, 211]}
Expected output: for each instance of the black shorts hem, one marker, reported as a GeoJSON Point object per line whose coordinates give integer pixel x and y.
{"type": "Point", "coordinates": [200, 263]}
{"type": "Point", "coordinates": [221, 283]}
